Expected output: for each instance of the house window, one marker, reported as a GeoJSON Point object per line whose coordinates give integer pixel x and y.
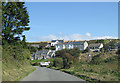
{"type": "Point", "coordinates": [96, 47]}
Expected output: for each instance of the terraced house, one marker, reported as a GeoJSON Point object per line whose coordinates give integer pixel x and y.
{"type": "Point", "coordinates": [43, 54]}
{"type": "Point", "coordinates": [82, 45]}
{"type": "Point", "coordinates": [95, 47]}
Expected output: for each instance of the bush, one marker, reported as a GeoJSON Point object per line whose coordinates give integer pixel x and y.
{"type": "Point", "coordinates": [68, 60]}
{"type": "Point", "coordinates": [111, 58]}
{"type": "Point", "coordinates": [53, 48]}
{"type": "Point", "coordinates": [58, 62]}
{"type": "Point", "coordinates": [32, 49]}
{"type": "Point", "coordinates": [35, 63]}
{"type": "Point", "coordinates": [74, 52]}
{"type": "Point", "coordinates": [96, 60]}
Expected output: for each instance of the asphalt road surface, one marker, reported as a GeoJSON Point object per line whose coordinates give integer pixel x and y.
{"type": "Point", "coordinates": [46, 74]}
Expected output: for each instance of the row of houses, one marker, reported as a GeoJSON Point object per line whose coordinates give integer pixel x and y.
{"type": "Point", "coordinates": [82, 45]}
{"type": "Point", "coordinates": [60, 44]}
{"type": "Point", "coordinates": [43, 54]}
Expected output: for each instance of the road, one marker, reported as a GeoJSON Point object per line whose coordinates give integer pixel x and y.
{"type": "Point", "coordinates": [46, 74]}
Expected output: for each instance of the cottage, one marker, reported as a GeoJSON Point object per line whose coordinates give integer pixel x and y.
{"type": "Point", "coordinates": [54, 42]}
{"type": "Point", "coordinates": [44, 54]}
{"type": "Point", "coordinates": [95, 47]}
{"type": "Point", "coordinates": [82, 45]}
{"type": "Point", "coordinates": [66, 45]}
{"type": "Point", "coordinates": [51, 54]}
{"type": "Point", "coordinates": [116, 45]}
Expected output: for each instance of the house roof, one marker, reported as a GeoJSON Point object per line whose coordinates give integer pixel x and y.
{"type": "Point", "coordinates": [38, 52]}
{"type": "Point", "coordinates": [95, 45]}
{"type": "Point", "coordinates": [53, 40]}
{"type": "Point", "coordinates": [50, 53]}
{"type": "Point", "coordinates": [79, 42]}
{"type": "Point", "coordinates": [45, 51]}
{"type": "Point", "coordinates": [57, 40]}
{"type": "Point", "coordinates": [65, 43]}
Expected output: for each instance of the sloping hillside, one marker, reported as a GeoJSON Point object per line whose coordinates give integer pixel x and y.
{"type": "Point", "coordinates": [15, 64]}
{"type": "Point", "coordinates": [101, 67]}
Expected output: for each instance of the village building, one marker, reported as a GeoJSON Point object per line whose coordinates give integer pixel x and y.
{"type": "Point", "coordinates": [95, 47]}
{"type": "Point", "coordinates": [43, 54]}
{"type": "Point", "coordinates": [116, 45]}
{"type": "Point", "coordinates": [82, 45]}
{"type": "Point", "coordinates": [54, 42]}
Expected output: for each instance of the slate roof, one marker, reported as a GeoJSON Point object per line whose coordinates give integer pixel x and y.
{"type": "Point", "coordinates": [95, 45]}
{"type": "Point", "coordinates": [58, 41]}
{"type": "Point", "coordinates": [38, 52]}
{"type": "Point", "coordinates": [78, 42]}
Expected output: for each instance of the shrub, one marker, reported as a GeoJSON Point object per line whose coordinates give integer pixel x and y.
{"type": "Point", "coordinates": [58, 62]}
{"type": "Point", "coordinates": [53, 48]}
{"type": "Point", "coordinates": [96, 60]}
{"type": "Point", "coordinates": [68, 60]}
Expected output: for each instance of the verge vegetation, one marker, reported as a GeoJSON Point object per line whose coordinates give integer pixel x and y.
{"type": "Point", "coordinates": [15, 52]}
{"type": "Point", "coordinates": [102, 66]}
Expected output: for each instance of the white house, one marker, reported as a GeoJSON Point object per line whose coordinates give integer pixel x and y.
{"type": "Point", "coordinates": [54, 42]}
{"type": "Point", "coordinates": [67, 45]}
{"type": "Point", "coordinates": [95, 47]}
{"type": "Point", "coordinates": [82, 45]}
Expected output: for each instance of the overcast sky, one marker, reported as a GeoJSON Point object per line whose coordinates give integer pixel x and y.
{"type": "Point", "coordinates": [72, 20]}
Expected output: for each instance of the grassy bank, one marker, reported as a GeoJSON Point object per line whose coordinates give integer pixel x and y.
{"type": "Point", "coordinates": [15, 63]}
{"type": "Point", "coordinates": [14, 70]}
{"type": "Point", "coordinates": [103, 67]}
{"type": "Point", "coordinates": [0, 71]}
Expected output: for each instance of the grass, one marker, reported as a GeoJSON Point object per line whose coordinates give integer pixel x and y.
{"type": "Point", "coordinates": [0, 71]}
{"type": "Point", "coordinates": [15, 70]}
{"type": "Point", "coordinates": [37, 60]}
{"type": "Point", "coordinates": [106, 68]}
{"type": "Point", "coordinates": [51, 60]}
{"type": "Point", "coordinates": [26, 74]}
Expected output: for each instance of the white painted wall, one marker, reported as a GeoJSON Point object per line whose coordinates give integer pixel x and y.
{"type": "Point", "coordinates": [101, 45]}
{"type": "Point", "coordinates": [54, 43]}
{"type": "Point", "coordinates": [85, 45]}
{"type": "Point", "coordinates": [71, 46]}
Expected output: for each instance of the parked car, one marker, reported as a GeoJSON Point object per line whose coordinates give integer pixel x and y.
{"type": "Point", "coordinates": [44, 64]}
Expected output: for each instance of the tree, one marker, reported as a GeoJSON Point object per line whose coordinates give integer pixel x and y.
{"type": "Point", "coordinates": [15, 20]}
{"type": "Point", "coordinates": [58, 62]}
{"type": "Point", "coordinates": [32, 49]}
{"type": "Point", "coordinates": [100, 41]}
{"type": "Point", "coordinates": [75, 52]}
{"type": "Point", "coordinates": [68, 60]}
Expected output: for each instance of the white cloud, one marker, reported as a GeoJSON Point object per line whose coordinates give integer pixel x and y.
{"type": "Point", "coordinates": [75, 36]}
{"type": "Point", "coordinates": [49, 37]}
{"type": "Point", "coordinates": [88, 34]}
{"type": "Point", "coordinates": [106, 37]}
{"type": "Point", "coordinates": [60, 33]}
